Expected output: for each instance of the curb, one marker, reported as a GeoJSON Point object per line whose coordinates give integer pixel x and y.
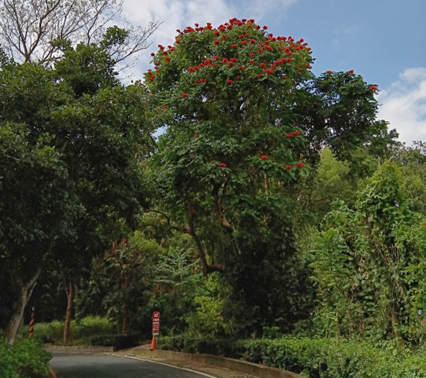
{"type": "Point", "coordinates": [215, 361]}
{"type": "Point", "coordinates": [78, 349]}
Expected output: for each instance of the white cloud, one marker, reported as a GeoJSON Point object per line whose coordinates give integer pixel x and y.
{"type": "Point", "coordinates": [177, 14]}
{"type": "Point", "coordinates": [404, 105]}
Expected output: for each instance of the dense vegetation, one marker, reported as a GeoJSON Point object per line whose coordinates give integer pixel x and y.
{"type": "Point", "coordinates": [274, 202]}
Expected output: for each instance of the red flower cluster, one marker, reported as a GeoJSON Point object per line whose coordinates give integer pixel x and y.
{"type": "Point", "coordinates": [231, 64]}
{"type": "Point", "coordinates": [263, 157]}
{"type": "Point", "coordinates": [224, 36]}
{"type": "Point", "coordinates": [374, 87]}
{"type": "Point", "coordinates": [234, 46]}
{"type": "Point", "coordinates": [216, 42]}
{"type": "Point", "coordinates": [229, 82]}
{"type": "Point", "coordinates": [300, 165]}
{"type": "Point", "coordinates": [296, 133]}
{"type": "Point", "coordinates": [222, 165]}
{"type": "Point", "coordinates": [224, 60]}
{"type": "Point", "coordinates": [167, 59]}
{"type": "Point", "coordinates": [351, 72]}
{"type": "Point", "coordinates": [288, 167]}
{"type": "Point", "coordinates": [151, 78]}
{"type": "Point", "coordinates": [165, 106]}
{"type": "Point", "coordinates": [196, 135]}
{"type": "Point", "coordinates": [245, 43]}
{"type": "Point", "coordinates": [262, 65]}
{"type": "Point", "coordinates": [252, 55]}
{"type": "Point", "coordinates": [268, 71]}
{"type": "Point", "coordinates": [184, 95]}
{"type": "Point", "coordinates": [260, 76]}
{"type": "Point", "coordinates": [251, 61]}
{"type": "Point", "coordinates": [241, 67]}
{"type": "Point", "coordinates": [238, 78]}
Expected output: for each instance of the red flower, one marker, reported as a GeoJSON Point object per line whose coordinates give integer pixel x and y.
{"type": "Point", "coordinates": [238, 78]}
{"type": "Point", "coordinates": [196, 135]}
{"type": "Point", "coordinates": [234, 46]}
{"type": "Point", "coordinates": [241, 67]}
{"type": "Point", "coordinates": [216, 42]}
{"type": "Point", "coordinates": [214, 65]}
{"type": "Point", "coordinates": [195, 81]}
{"type": "Point", "coordinates": [251, 61]}
{"type": "Point", "coordinates": [224, 60]}
{"type": "Point", "coordinates": [222, 165]}
{"type": "Point", "coordinates": [184, 95]}
{"type": "Point", "coordinates": [216, 32]}
{"type": "Point", "coordinates": [288, 167]}
{"type": "Point", "coordinates": [152, 78]}
{"type": "Point", "coordinates": [216, 57]}
{"type": "Point", "coordinates": [262, 65]}
{"type": "Point", "coordinates": [300, 165]}
{"type": "Point", "coordinates": [289, 135]}
{"type": "Point", "coordinates": [252, 41]}
{"type": "Point", "coordinates": [260, 76]}
{"type": "Point", "coordinates": [167, 59]}
{"type": "Point", "coordinates": [263, 157]}
{"type": "Point", "coordinates": [265, 27]}
{"type": "Point", "coordinates": [351, 72]}
{"type": "Point", "coordinates": [229, 82]}
{"type": "Point", "coordinates": [224, 36]}
{"type": "Point", "coordinates": [161, 220]}
{"type": "Point", "coordinates": [152, 54]}
{"type": "Point", "coordinates": [253, 55]}
{"type": "Point", "coordinates": [231, 64]}
{"type": "Point", "coordinates": [165, 106]}
{"type": "Point", "coordinates": [244, 43]}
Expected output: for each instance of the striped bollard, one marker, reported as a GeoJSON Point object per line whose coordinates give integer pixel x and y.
{"type": "Point", "coordinates": [32, 323]}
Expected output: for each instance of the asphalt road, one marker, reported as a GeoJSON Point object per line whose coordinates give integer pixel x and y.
{"type": "Point", "coordinates": [104, 366]}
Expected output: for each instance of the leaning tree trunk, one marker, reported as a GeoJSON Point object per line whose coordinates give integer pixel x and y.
{"type": "Point", "coordinates": [25, 292]}
{"type": "Point", "coordinates": [126, 308]}
{"type": "Point", "coordinates": [70, 291]}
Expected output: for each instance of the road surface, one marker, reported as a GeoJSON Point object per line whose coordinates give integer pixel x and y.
{"type": "Point", "coordinates": [105, 366]}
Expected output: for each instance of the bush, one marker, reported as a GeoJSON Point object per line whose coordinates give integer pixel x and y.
{"type": "Point", "coordinates": [26, 359]}
{"type": "Point", "coordinates": [313, 358]}
{"type": "Point", "coordinates": [116, 341]}
{"type": "Point", "coordinates": [81, 330]}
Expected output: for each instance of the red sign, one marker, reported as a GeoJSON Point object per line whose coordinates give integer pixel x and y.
{"type": "Point", "coordinates": [155, 323]}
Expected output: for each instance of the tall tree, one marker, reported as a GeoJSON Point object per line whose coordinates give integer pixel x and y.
{"type": "Point", "coordinates": [28, 28]}
{"type": "Point", "coordinates": [95, 129]}
{"type": "Point", "coordinates": [236, 102]}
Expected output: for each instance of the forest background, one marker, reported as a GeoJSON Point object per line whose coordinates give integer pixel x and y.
{"type": "Point", "coordinates": [273, 202]}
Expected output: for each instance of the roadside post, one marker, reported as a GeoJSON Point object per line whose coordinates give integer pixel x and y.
{"type": "Point", "coordinates": [155, 328]}
{"type": "Point", "coordinates": [32, 323]}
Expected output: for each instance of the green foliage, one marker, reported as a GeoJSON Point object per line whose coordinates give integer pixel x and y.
{"type": "Point", "coordinates": [209, 317]}
{"type": "Point", "coordinates": [312, 358]}
{"type": "Point", "coordinates": [368, 263]}
{"type": "Point", "coordinates": [81, 330]}
{"type": "Point", "coordinates": [26, 359]}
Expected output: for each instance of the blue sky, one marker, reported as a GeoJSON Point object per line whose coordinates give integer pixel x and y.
{"type": "Point", "coordinates": [383, 40]}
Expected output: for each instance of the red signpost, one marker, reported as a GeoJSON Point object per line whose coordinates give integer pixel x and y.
{"type": "Point", "coordinates": [155, 328]}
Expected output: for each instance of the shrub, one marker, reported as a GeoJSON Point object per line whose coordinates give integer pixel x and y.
{"type": "Point", "coordinates": [313, 358]}
{"type": "Point", "coordinates": [26, 359]}
{"type": "Point", "coordinates": [81, 330]}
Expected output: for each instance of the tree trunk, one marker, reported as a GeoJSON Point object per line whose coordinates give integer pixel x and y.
{"type": "Point", "coordinates": [15, 320]}
{"type": "Point", "coordinates": [126, 309]}
{"type": "Point", "coordinates": [70, 291]}
{"type": "Point", "coordinates": [25, 292]}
